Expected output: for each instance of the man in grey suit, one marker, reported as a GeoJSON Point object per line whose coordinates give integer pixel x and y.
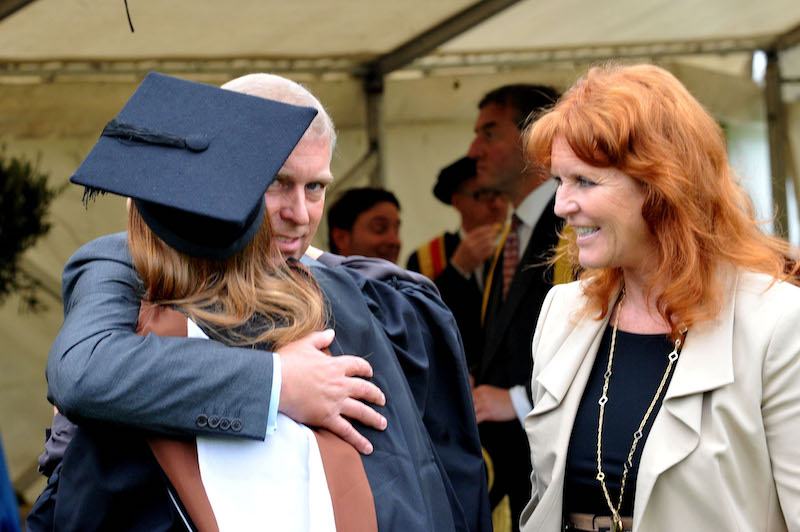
{"type": "Point", "coordinates": [100, 371]}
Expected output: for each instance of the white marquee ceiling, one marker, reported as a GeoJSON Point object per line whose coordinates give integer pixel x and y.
{"type": "Point", "coordinates": [340, 34]}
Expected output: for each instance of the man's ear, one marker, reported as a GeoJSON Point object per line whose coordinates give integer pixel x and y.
{"type": "Point", "coordinates": [341, 239]}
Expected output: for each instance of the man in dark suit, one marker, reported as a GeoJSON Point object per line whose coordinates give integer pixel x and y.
{"type": "Point", "coordinates": [515, 287]}
{"type": "Point", "coordinates": [457, 261]}
{"type": "Point", "coordinates": [100, 371]}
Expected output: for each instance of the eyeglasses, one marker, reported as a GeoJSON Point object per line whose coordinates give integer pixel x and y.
{"type": "Point", "coordinates": [483, 195]}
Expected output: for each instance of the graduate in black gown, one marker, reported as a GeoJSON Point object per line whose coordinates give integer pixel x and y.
{"type": "Point", "coordinates": [408, 472]}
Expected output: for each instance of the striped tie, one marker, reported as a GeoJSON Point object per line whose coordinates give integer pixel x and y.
{"type": "Point", "coordinates": [510, 254]}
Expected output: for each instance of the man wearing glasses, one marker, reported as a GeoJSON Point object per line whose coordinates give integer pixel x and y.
{"type": "Point", "coordinates": [456, 261]}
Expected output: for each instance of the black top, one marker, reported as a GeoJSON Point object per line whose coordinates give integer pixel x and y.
{"type": "Point", "coordinates": [639, 364]}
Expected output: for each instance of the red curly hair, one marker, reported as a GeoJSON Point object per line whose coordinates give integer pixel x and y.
{"type": "Point", "coordinates": [641, 120]}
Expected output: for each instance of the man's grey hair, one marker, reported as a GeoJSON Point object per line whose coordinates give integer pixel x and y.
{"type": "Point", "coordinates": [284, 90]}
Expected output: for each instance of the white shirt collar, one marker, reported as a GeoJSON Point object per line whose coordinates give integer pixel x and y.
{"type": "Point", "coordinates": [532, 207]}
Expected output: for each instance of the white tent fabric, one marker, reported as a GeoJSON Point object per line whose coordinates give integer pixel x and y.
{"type": "Point", "coordinates": [81, 29]}
{"type": "Point", "coordinates": [361, 30]}
{"type": "Point", "coordinates": [578, 23]}
{"type": "Point", "coordinates": [66, 66]}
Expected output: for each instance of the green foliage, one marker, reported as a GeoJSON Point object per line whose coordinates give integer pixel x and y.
{"type": "Point", "coordinates": [24, 200]}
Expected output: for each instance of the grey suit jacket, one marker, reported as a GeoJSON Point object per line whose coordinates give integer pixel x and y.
{"type": "Point", "coordinates": [98, 369]}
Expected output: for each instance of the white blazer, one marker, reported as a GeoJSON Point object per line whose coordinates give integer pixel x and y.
{"type": "Point", "coordinates": [724, 450]}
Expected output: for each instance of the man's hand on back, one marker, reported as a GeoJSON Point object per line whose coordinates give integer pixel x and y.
{"type": "Point", "coordinates": [321, 390]}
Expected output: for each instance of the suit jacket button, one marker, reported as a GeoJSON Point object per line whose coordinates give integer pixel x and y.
{"type": "Point", "coordinates": [224, 423]}
{"type": "Point", "coordinates": [236, 424]}
{"type": "Point", "coordinates": [201, 421]}
{"type": "Point", "coordinates": [213, 422]}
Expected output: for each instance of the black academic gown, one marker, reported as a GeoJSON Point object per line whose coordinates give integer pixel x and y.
{"type": "Point", "coordinates": [427, 344]}
{"type": "Point", "coordinates": [463, 296]}
{"type": "Point", "coordinates": [111, 471]}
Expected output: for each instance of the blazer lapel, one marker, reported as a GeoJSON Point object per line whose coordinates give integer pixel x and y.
{"type": "Point", "coordinates": [549, 426]}
{"type": "Point", "coordinates": [559, 372]}
{"type": "Point", "coordinates": [531, 268]}
{"type": "Point", "coordinates": [705, 363]}
{"type": "Point", "coordinates": [526, 273]}
{"type": "Point", "coordinates": [529, 271]}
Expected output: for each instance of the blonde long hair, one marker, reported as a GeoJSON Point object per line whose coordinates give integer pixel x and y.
{"type": "Point", "coordinates": [253, 297]}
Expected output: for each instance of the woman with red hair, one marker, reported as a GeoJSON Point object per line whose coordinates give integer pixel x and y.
{"type": "Point", "coordinates": [666, 380]}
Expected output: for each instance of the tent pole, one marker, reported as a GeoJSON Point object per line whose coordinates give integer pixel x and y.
{"type": "Point", "coordinates": [373, 93]}
{"type": "Point", "coordinates": [429, 40]}
{"type": "Point", "coordinates": [788, 39]}
{"type": "Point", "coordinates": [791, 165]}
{"type": "Point", "coordinates": [402, 55]}
{"type": "Point", "coordinates": [777, 132]}
{"type": "Point", "coordinates": [9, 7]}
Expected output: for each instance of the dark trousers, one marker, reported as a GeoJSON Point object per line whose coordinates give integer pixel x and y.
{"type": "Point", "coordinates": [509, 453]}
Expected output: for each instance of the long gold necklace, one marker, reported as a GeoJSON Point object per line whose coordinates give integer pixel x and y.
{"type": "Point", "coordinates": [673, 357]}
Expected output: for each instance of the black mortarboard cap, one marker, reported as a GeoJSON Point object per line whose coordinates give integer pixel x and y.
{"type": "Point", "coordinates": [196, 160]}
{"type": "Point", "coordinates": [452, 176]}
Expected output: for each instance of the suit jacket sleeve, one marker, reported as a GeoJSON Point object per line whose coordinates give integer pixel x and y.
{"type": "Point", "coordinates": [534, 392]}
{"type": "Point", "coordinates": [99, 369]}
{"type": "Point", "coordinates": [780, 408]}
